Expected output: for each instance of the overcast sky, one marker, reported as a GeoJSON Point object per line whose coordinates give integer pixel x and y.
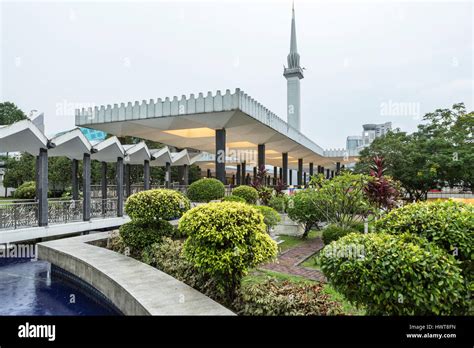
{"type": "Point", "coordinates": [366, 62]}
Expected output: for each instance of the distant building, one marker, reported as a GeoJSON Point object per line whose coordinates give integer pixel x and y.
{"type": "Point", "coordinates": [369, 133]}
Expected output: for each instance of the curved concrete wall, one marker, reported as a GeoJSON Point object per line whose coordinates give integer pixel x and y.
{"type": "Point", "coordinates": [132, 286]}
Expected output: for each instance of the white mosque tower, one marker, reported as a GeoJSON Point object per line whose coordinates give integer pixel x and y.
{"type": "Point", "coordinates": [293, 74]}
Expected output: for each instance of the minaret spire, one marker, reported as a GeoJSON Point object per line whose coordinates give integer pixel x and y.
{"type": "Point", "coordinates": [293, 75]}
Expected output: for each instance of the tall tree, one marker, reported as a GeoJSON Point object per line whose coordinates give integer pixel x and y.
{"type": "Point", "coordinates": [10, 113]}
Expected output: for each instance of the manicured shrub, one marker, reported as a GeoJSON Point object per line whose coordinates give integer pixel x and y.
{"type": "Point", "coordinates": [233, 198]}
{"type": "Point", "coordinates": [279, 203]}
{"type": "Point", "coordinates": [246, 192]}
{"type": "Point", "coordinates": [167, 256]}
{"type": "Point", "coordinates": [334, 232]}
{"type": "Point", "coordinates": [153, 205]}
{"type": "Point", "coordinates": [274, 297]}
{"type": "Point", "coordinates": [301, 209]}
{"type": "Point", "coordinates": [395, 275]}
{"type": "Point", "coordinates": [27, 190]}
{"type": "Point", "coordinates": [139, 236]}
{"type": "Point", "coordinates": [270, 216]}
{"type": "Point", "coordinates": [225, 240]}
{"type": "Point", "coordinates": [449, 224]}
{"type": "Point", "coordinates": [205, 190]}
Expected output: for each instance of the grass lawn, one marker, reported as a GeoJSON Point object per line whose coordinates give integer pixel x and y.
{"type": "Point", "coordinates": [292, 241]}
{"type": "Point", "coordinates": [312, 262]}
{"type": "Point", "coordinates": [260, 275]}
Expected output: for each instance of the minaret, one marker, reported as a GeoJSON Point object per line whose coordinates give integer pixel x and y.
{"type": "Point", "coordinates": [293, 75]}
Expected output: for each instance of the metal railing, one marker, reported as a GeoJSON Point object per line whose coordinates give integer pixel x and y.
{"type": "Point", "coordinates": [14, 214]}
{"type": "Point", "coordinates": [103, 208]}
{"type": "Point", "coordinates": [64, 211]}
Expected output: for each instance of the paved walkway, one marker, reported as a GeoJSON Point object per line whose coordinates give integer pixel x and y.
{"type": "Point", "coordinates": [289, 261]}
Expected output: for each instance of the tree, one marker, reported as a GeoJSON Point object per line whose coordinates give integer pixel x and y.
{"type": "Point", "coordinates": [10, 113]}
{"type": "Point", "coordinates": [301, 210]}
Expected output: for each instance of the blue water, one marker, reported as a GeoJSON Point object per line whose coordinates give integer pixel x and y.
{"type": "Point", "coordinates": [27, 288]}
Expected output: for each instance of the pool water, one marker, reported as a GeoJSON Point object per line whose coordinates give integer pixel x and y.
{"type": "Point", "coordinates": [28, 288]}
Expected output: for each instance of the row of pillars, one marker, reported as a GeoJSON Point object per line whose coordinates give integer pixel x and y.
{"type": "Point", "coordinates": [242, 177]}
{"type": "Point", "coordinates": [122, 172]}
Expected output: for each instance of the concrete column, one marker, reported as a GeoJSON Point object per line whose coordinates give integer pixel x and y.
{"type": "Point", "coordinates": [42, 187]}
{"type": "Point", "coordinates": [233, 179]}
{"type": "Point", "coordinates": [254, 173]}
{"type": "Point", "coordinates": [208, 173]}
{"type": "Point", "coordinates": [239, 175]}
{"type": "Point", "coordinates": [185, 174]}
{"type": "Point", "coordinates": [281, 174]}
{"type": "Point", "coordinates": [261, 155]}
{"type": "Point", "coordinates": [300, 172]}
{"type": "Point", "coordinates": [319, 169]}
{"type": "Point", "coordinates": [275, 175]}
{"type": "Point", "coordinates": [322, 170]}
{"type": "Point", "coordinates": [304, 178]}
{"type": "Point", "coordinates": [291, 177]}
{"type": "Point", "coordinates": [285, 168]}
{"type": "Point", "coordinates": [311, 169]}
{"type": "Point", "coordinates": [74, 181]}
{"type": "Point", "coordinates": [103, 184]}
{"type": "Point", "coordinates": [220, 155]}
{"type": "Point", "coordinates": [128, 189]}
{"type": "Point", "coordinates": [328, 174]}
{"type": "Point", "coordinates": [338, 168]}
{"type": "Point", "coordinates": [167, 174]}
{"type": "Point", "coordinates": [86, 187]}
{"type": "Point", "coordinates": [244, 173]}
{"type": "Point", "coordinates": [119, 181]}
{"type": "Point", "coordinates": [146, 174]}
{"type": "Point", "coordinates": [332, 174]}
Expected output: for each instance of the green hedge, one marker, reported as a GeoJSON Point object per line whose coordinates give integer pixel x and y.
{"type": "Point", "coordinates": [225, 240]}
{"type": "Point", "coordinates": [334, 232]}
{"type": "Point", "coordinates": [233, 198]}
{"type": "Point", "coordinates": [139, 236]}
{"type": "Point", "coordinates": [285, 298]}
{"type": "Point", "coordinates": [270, 216]}
{"type": "Point", "coordinates": [27, 190]}
{"type": "Point", "coordinates": [205, 190]}
{"type": "Point", "coordinates": [279, 203]}
{"type": "Point", "coordinates": [395, 275]}
{"type": "Point", "coordinates": [449, 224]}
{"type": "Point", "coordinates": [246, 192]}
{"type": "Point", "coordinates": [153, 205]}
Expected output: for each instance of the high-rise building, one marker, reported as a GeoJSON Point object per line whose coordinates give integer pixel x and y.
{"type": "Point", "coordinates": [369, 133]}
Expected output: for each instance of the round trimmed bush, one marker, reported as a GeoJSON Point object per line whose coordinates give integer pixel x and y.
{"type": "Point", "coordinates": [246, 192]}
{"type": "Point", "coordinates": [27, 190]}
{"type": "Point", "coordinates": [205, 190]}
{"type": "Point", "coordinates": [153, 205]}
{"type": "Point", "coordinates": [395, 275]}
{"type": "Point", "coordinates": [138, 236]}
{"type": "Point", "coordinates": [270, 216]}
{"type": "Point", "coordinates": [233, 198]}
{"type": "Point", "coordinates": [334, 232]}
{"type": "Point", "coordinates": [449, 224]}
{"type": "Point", "coordinates": [279, 203]}
{"type": "Point", "coordinates": [225, 240]}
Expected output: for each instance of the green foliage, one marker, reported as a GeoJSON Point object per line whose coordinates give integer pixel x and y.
{"type": "Point", "coordinates": [274, 297]}
{"type": "Point", "coordinates": [334, 232]}
{"type": "Point", "coordinates": [138, 236]}
{"type": "Point", "coordinates": [153, 205]}
{"type": "Point", "coordinates": [10, 113]}
{"type": "Point", "coordinates": [438, 154]}
{"type": "Point", "coordinates": [270, 216]}
{"type": "Point", "coordinates": [205, 190]}
{"type": "Point", "coordinates": [341, 201]}
{"type": "Point", "coordinates": [19, 170]}
{"type": "Point", "coordinates": [167, 256]}
{"type": "Point", "coordinates": [279, 203]}
{"type": "Point", "coordinates": [225, 240]}
{"type": "Point", "coordinates": [27, 190]}
{"type": "Point", "coordinates": [246, 192]}
{"type": "Point", "coordinates": [233, 198]}
{"type": "Point", "coordinates": [449, 224]}
{"type": "Point", "coordinates": [395, 275]}
{"type": "Point", "coordinates": [301, 210]}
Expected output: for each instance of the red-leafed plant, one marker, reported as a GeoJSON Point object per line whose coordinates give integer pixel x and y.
{"type": "Point", "coordinates": [381, 190]}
